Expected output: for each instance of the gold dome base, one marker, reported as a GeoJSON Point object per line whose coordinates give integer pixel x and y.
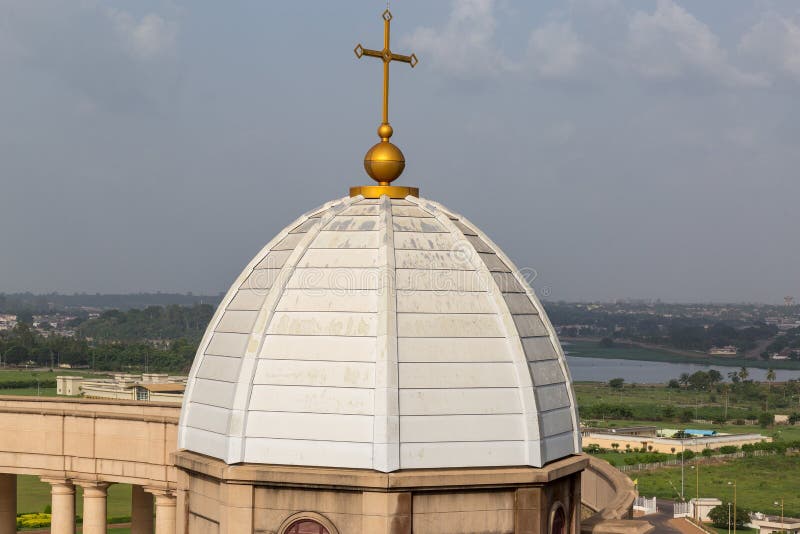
{"type": "Point", "coordinates": [376, 191]}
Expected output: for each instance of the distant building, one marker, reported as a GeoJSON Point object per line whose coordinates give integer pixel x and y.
{"type": "Point", "coordinates": [7, 321]}
{"type": "Point", "coordinates": [767, 524]}
{"type": "Point", "coordinates": [703, 433]}
{"type": "Point", "coordinates": [154, 387]}
{"type": "Point", "coordinates": [68, 385]}
{"type": "Point", "coordinates": [781, 419]}
{"type": "Point", "coordinates": [727, 350]}
{"type": "Point", "coordinates": [641, 431]}
{"type": "Point", "coordinates": [702, 506]}
{"type": "Point", "coordinates": [693, 443]}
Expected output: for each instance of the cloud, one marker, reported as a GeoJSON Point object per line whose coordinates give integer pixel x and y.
{"type": "Point", "coordinates": [465, 46]}
{"type": "Point", "coordinates": [150, 38]}
{"type": "Point", "coordinates": [555, 51]}
{"type": "Point", "coordinates": [671, 43]}
{"type": "Point", "coordinates": [666, 44]}
{"type": "Point", "coordinates": [95, 58]}
{"type": "Point", "coordinates": [774, 41]}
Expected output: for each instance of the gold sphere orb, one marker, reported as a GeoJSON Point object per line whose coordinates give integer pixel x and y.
{"type": "Point", "coordinates": [384, 162]}
{"type": "Point", "coordinates": [385, 131]}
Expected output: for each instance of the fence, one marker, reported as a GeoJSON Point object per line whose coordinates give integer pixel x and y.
{"type": "Point", "coordinates": [682, 509]}
{"type": "Point", "coordinates": [696, 459]}
{"type": "Point", "coordinates": [643, 504]}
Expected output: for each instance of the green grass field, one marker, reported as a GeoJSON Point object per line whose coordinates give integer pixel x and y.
{"type": "Point", "coordinates": [648, 402]}
{"type": "Point", "coordinates": [9, 376]}
{"type": "Point", "coordinates": [33, 495]}
{"type": "Point", "coordinates": [113, 528]}
{"type": "Point", "coordinates": [29, 392]}
{"type": "Point", "coordinates": [649, 394]}
{"type": "Point", "coordinates": [760, 481]}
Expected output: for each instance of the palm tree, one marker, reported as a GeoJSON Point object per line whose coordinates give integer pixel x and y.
{"type": "Point", "coordinates": [770, 377]}
{"type": "Point", "coordinates": [744, 374]}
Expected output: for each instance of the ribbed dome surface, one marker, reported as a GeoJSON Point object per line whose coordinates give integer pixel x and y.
{"type": "Point", "coordinates": [380, 334]}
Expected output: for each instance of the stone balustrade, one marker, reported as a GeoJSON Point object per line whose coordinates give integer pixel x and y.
{"type": "Point", "coordinates": [610, 494]}
{"type": "Point", "coordinates": [96, 443]}
{"type": "Point", "coordinates": [91, 444]}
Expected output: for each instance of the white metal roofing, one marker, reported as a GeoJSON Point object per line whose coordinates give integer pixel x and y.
{"type": "Point", "coordinates": [380, 334]}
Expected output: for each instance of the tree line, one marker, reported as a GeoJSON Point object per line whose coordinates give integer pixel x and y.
{"type": "Point", "coordinates": [680, 332]}
{"type": "Point", "coordinates": [156, 338]}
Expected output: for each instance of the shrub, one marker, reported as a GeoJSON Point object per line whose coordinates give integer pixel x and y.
{"type": "Point", "coordinates": [33, 520]}
{"type": "Point", "coordinates": [728, 449]}
{"type": "Point", "coordinates": [719, 516]}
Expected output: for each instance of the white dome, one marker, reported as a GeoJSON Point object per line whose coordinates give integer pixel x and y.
{"type": "Point", "coordinates": [380, 334]}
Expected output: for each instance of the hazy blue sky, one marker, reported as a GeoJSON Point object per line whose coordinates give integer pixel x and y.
{"type": "Point", "coordinates": [622, 149]}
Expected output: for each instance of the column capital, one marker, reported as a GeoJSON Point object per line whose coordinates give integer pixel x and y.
{"type": "Point", "coordinates": [160, 492]}
{"type": "Point", "coordinates": [93, 488]}
{"type": "Point", "coordinates": [60, 486]}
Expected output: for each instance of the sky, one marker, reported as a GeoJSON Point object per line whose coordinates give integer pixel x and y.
{"type": "Point", "coordinates": [621, 149]}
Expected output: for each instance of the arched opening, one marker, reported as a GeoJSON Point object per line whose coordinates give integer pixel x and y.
{"type": "Point", "coordinates": [306, 526]}
{"type": "Point", "coordinates": [559, 522]}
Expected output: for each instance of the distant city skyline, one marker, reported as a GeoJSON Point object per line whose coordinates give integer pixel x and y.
{"type": "Point", "coordinates": [621, 149]}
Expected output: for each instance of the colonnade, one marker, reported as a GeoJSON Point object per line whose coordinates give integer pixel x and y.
{"type": "Point", "coordinates": [95, 495]}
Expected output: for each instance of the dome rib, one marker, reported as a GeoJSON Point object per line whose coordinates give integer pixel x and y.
{"type": "Point", "coordinates": [386, 424]}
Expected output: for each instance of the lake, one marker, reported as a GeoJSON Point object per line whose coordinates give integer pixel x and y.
{"type": "Point", "coordinates": [604, 369]}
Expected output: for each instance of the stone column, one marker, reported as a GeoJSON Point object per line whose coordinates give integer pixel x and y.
{"type": "Point", "coordinates": [182, 512]}
{"type": "Point", "coordinates": [165, 510]}
{"type": "Point", "coordinates": [95, 516]}
{"type": "Point", "coordinates": [141, 511]}
{"type": "Point", "coordinates": [8, 504]}
{"type": "Point", "coordinates": [63, 506]}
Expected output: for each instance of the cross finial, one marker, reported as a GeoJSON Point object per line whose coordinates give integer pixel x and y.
{"type": "Point", "coordinates": [384, 162]}
{"type": "Point", "coordinates": [387, 56]}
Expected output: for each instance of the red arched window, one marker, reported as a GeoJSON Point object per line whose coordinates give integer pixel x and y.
{"type": "Point", "coordinates": [559, 522]}
{"type": "Point", "coordinates": [306, 526]}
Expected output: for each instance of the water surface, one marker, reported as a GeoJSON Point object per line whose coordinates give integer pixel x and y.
{"type": "Point", "coordinates": [642, 372]}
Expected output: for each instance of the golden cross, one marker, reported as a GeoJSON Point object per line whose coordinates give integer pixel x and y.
{"type": "Point", "coordinates": [387, 56]}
